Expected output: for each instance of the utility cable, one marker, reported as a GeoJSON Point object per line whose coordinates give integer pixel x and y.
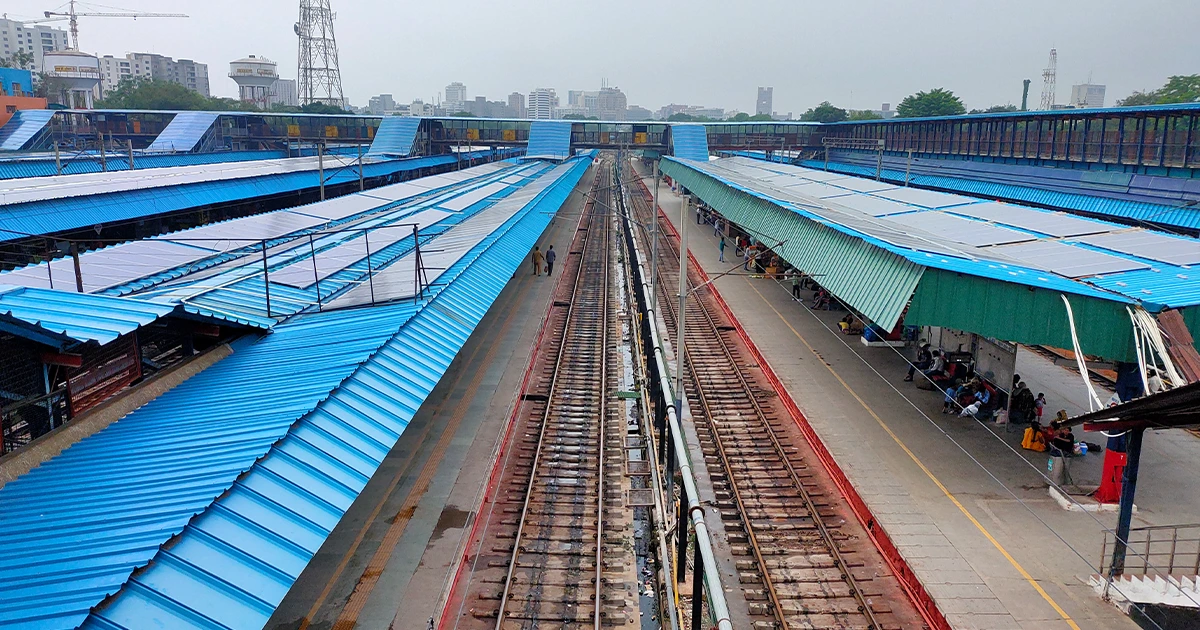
{"type": "Point", "coordinates": [983, 467]}
{"type": "Point", "coordinates": [987, 471]}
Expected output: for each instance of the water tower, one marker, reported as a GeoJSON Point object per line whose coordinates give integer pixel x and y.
{"type": "Point", "coordinates": [255, 77]}
{"type": "Point", "coordinates": [76, 74]}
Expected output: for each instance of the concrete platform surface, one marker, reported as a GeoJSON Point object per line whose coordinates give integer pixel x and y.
{"type": "Point", "coordinates": [968, 509]}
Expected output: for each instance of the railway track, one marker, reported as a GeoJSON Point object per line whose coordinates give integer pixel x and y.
{"type": "Point", "coordinates": [801, 556]}
{"type": "Point", "coordinates": [554, 551]}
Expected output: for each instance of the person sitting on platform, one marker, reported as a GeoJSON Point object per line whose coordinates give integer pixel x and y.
{"type": "Point", "coordinates": [1063, 442]}
{"type": "Point", "coordinates": [924, 359]}
{"type": "Point", "coordinates": [951, 401]}
{"type": "Point", "coordinates": [938, 366]}
{"type": "Point", "coordinates": [821, 299]}
{"type": "Point", "coordinates": [851, 325]}
{"type": "Point", "coordinates": [1033, 440]}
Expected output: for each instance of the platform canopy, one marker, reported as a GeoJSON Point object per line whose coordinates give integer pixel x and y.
{"type": "Point", "coordinates": [1171, 409]}
{"type": "Point", "coordinates": [929, 258]}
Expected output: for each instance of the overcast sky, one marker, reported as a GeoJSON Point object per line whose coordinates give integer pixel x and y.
{"type": "Point", "coordinates": [856, 54]}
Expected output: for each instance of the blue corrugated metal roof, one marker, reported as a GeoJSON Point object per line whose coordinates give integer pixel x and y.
{"type": "Point", "coordinates": [1148, 109]}
{"type": "Point", "coordinates": [22, 127]}
{"type": "Point", "coordinates": [549, 139]}
{"type": "Point", "coordinates": [395, 136]}
{"type": "Point", "coordinates": [689, 142]}
{"type": "Point", "coordinates": [184, 131]}
{"type": "Point", "coordinates": [64, 318]}
{"type": "Point", "coordinates": [58, 215]}
{"type": "Point", "coordinates": [261, 434]}
{"type": "Point", "coordinates": [234, 563]}
{"type": "Point", "coordinates": [1041, 192]}
{"type": "Point", "coordinates": [983, 268]}
{"type": "Point", "coordinates": [42, 164]}
{"type": "Point", "coordinates": [76, 317]}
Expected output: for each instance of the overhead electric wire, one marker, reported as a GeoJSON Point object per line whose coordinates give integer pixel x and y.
{"type": "Point", "coordinates": [980, 464]}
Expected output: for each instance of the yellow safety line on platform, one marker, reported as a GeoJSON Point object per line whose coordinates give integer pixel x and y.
{"type": "Point", "coordinates": [928, 473]}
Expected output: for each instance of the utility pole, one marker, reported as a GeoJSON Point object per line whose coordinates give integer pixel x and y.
{"type": "Point", "coordinates": [679, 323]}
{"type": "Point", "coordinates": [654, 245]}
{"type": "Point", "coordinates": [130, 154]}
{"type": "Point", "coordinates": [321, 167]}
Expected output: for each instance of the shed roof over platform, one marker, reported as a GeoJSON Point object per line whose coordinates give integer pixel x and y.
{"type": "Point", "coordinates": [884, 249]}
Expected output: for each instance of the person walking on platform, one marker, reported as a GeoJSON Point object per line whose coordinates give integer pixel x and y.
{"type": "Point", "coordinates": [796, 286]}
{"type": "Point", "coordinates": [550, 256]}
{"type": "Point", "coordinates": [537, 259]}
{"type": "Point", "coordinates": [721, 248]}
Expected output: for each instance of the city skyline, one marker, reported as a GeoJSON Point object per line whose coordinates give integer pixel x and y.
{"type": "Point", "coordinates": [979, 72]}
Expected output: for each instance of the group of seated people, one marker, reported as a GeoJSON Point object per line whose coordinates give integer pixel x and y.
{"type": "Point", "coordinates": [938, 368]}
{"type": "Point", "coordinates": [974, 398]}
{"type": "Point", "coordinates": [1057, 438]}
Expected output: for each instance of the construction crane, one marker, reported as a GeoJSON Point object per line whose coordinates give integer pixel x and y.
{"type": "Point", "coordinates": [73, 16]}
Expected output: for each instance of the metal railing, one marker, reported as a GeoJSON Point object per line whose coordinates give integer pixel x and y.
{"type": "Point", "coordinates": [669, 442]}
{"type": "Point", "coordinates": [1159, 550]}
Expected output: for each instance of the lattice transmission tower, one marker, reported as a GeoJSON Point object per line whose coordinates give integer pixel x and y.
{"type": "Point", "coordinates": [320, 80]}
{"type": "Point", "coordinates": [1049, 78]}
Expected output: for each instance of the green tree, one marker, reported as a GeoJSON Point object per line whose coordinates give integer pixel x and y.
{"type": "Point", "coordinates": [322, 108]}
{"type": "Point", "coordinates": [463, 115]}
{"type": "Point", "coordinates": [935, 102]}
{"type": "Point", "coordinates": [49, 87]}
{"type": "Point", "coordinates": [1180, 89]}
{"type": "Point", "coordinates": [1139, 98]}
{"type": "Point", "coordinates": [996, 109]}
{"type": "Point", "coordinates": [140, 93]}
{"type": "Point", "coordinates": [744, 117]}
{"type": "Point", "coordinates": [579, 117]}
{"type": "Point", "coordinates": [863, 114]}
{"type": "Point", "coordinates": [824, 113]}
{"type": "Point", "coordinates": [21, 60]}
{"type": "Point", "coordinates": [682, 117]}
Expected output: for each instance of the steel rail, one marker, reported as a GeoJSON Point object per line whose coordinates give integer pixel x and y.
{"type": "Point", "coordinates": [545, 420]}
{"type": "Point", "coordinates": [712, 333]}
{"type": "Point", "coordinates": [717, 605]}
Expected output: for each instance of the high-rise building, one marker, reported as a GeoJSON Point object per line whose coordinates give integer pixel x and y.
{"type": "Point", "coordinates": [611, 103]}
{"type": "Point", "coordinates": [34, 39]}
{"type": "Point", "coordinates": [188, 73]}
{"type": "Point", "coordinates": [381, 105]}
{"type": "Point", "coordinates": [542, 103]}
{"type": "Point", "coordinates": [419, 108]}
{"type": "Point", "coordinates": [284, 93]}
{"type": "Point", "coordinates": [1087, 95]}
{"type": "Point", "coordinates": [764, 105]}
{"type": "Point", "coordinates": [637, 112]}
{"type": "Point", "coordinates": [456, 98]}
{"type": "Point", "coordinates": [516, 102]}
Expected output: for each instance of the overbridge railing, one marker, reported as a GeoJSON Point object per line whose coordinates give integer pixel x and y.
{"type": "Point", "coordinates": [1160, 550]}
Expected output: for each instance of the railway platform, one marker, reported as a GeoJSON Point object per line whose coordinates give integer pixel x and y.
{"type": "Point", "coordinates": [388, 561]}
{"type": "Point", "coordinates": [966, 507]}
